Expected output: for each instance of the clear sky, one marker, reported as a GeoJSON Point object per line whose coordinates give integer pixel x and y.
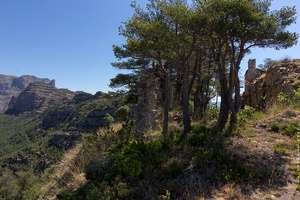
{"type": "Point", "coordinates": [71, 40]}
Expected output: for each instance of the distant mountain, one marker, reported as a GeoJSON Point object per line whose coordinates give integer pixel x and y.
{"type": "Point", "coordinates": [37, 96]}
{"type": "Point", "coordinates": [12, 86]}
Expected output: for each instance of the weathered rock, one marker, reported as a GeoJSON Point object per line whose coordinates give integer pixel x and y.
{"type": "Point", "coordinates": [13, 86]}
{"type": "Point", "coordinates": [148, 107]}
{"type": "Point", "coordinates": [64, 140]}
{"type": "Point", "coordinates": [37, 96]}
{"type": "Point", "coordinates": [280, 77]}
{"type": "Point", "coordinates": [82, 96]}
{"type": "Point", "coordinates": [95, 118]}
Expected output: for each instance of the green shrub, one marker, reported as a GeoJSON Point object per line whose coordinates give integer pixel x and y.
{"type": "Point", "coordinates": [296, 99]}
{"type": "Point", "coordinates": [172, 170]}
{"type": "Point", "coordinates": [167, 196]}
{"type": "Point", "coordinates": [123, 113]}
{"type": "Point", "coordinates": [213, 112]}
{"type": "Point", "coordinates": [292, 128]}
{"type": "Point", "coordinates": [282, 148]}
{"type": "Point", "coordinates": [245, 114]}
{"type": "Point", "coordinates": [275, 127]}
{"type": "Point", "coordinates": [109, 120]}
{"type": "Point", "coordinates": [283, 99]}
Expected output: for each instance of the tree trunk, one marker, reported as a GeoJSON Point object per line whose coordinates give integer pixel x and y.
{"type": "Point", "coordinates": [166, 105]}
{"type": "Point", "coordinates": [224, 111]}
{"type": "Point", "coordinates": [225, 99]}
{"type": "Point", "coordinates": [237, 102]}
{"type": "Point", "coordinates": [237, 97]}
{"type": "Point", "coordinates": [185, 102]}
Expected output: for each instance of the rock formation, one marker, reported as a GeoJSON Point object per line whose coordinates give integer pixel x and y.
{"type": "Point", "coordinates": [37, 96]}
{"type": "Point", "coordinates": [251, 74]}
{"type": "Point", "coordinates": [148, 109]}
{"type": "Point", "coordinates": [280, 77]}
{"type": "Point", "coordinates": [12, 86]}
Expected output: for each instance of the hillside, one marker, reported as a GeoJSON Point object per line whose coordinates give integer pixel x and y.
{"type": "Point", "coordinates": [71, 149]}
{"type": "Point", "coordinates": [258, 161]}
{"type": "Point", "coordinates": [39, 126]}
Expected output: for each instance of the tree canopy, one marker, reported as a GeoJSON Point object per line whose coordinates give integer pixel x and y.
{"type": "Point", "coordinates": [203, 41]}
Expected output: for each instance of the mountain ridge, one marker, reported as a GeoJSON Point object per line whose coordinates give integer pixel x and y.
{"type": "Point", "coordinates": [11, 85]}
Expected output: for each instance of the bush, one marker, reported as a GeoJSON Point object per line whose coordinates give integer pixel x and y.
{"type": "Point", "coordinates": [296, 98]}
{"type": "Point", "coordinates": [123, 113]}
{"type": "Point", "coordinates": [283, 99]}
{"type": "Point", "coordinates": [109, 120]}
{"type": "Point", "coordinates": [245, 114]}
{"type": "Point", "coordinates": [291, 129]}
{"type": "Point", "coordinates": [213, 112]}
{"type": "Point", "coordinates": [275, 127]}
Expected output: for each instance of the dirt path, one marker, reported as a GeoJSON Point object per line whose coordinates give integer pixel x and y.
{"type": "Point", "coordinates": [273, 152]}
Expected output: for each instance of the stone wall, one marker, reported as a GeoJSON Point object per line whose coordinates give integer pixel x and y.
{"type": "Point", "coordinates": [280, 77]}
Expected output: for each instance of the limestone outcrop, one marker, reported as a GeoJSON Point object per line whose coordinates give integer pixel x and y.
{"type": "Point", "coordinates": [37, 96]}
{"type": "Point", "coordinates": [12, 86]}
{"type": "Point", "coordinates": [148, 108]}
{"type": "Point", "coordinates": [280, 77]}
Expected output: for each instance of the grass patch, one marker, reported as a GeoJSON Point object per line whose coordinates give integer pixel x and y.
{"type": "Point", "coordinates": [282, 148]}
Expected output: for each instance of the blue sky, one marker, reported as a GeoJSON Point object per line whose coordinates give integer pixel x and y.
{"type": "Point", "coordinates": [71, 40]}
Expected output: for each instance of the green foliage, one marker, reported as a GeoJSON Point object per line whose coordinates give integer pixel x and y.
{"type": "Point", "coordinates": [127, 84]}
{"type": "Point", "coordinates": [171, 170]}
{"type": "Point", "coordinates": [166, 197]}
{"type": "Point", "coordinates": [283, 99]}
{"type": "Point", "coordinates": [245, 114]}
{"type": "Point", "coordinates": [275, 127]}
{"type": "Point", "coordinates": [267, 63]}
{"type": "Point", "coordinates": [126, 133]}
{"type": "Point", "coordinates": [109, 120]}
{"type": "Point", "coordinates": [199, 135]}
{"type": "Point", "coordinates": [296, 99]}
{"type": "Point", "coordinates": [123, 113]}
{"type": "Point", "coordinates": [213, 112]}
{"type": "Point", "coordinates": [22, 185]}
{"type": "Point", "coordinates": [128, 163]}
{"type": "Point", "coordinates": [8, 188]}
{"type": "Point", "coordinates": [282, 148]}
{"type": "Point", "coordinates": [126, 170]}
{"type": "Point", "coordinates": [99, 103]}
{"type": "Point", "coordinates": [290, 129]}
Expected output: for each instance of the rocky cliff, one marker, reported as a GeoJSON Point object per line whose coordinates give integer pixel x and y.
{"type": "Point", "coordinates": [37, 96]}
{"type": "Point", "coordinates": [12, 86]}
{"type": "Point", "coordinates": [280, 77]}
{"type": "Point", "coordinates": [62, 108]}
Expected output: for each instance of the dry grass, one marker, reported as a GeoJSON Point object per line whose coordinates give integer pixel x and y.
{"type": "Point", "coordinates": [69, 174]}
{"type": "Point", "coordinates": [64, 176]}
{"type": "Point", "coordinates": [273, 149]}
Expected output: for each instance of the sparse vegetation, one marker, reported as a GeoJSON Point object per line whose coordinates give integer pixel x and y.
{"type": "Point", "coordinates": [209, 152]}
{"type": "Point", "coordinates": [165, 165]}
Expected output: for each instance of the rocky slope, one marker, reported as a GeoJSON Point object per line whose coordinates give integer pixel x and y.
{"type": "Point", "coordinates": [62, 108]}
{"type": "Point", "coordinates": [37, 96]}
{"type": "Point", "coordinates": [281, 76]}
{"type": "Point", "coordinates": [12, 86]}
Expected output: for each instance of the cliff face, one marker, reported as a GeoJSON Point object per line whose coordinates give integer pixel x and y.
{"type": "Point", "coordinates": [280, 77]}
{"type": "Point", "coordinates": [62, 108]}
{"type": "Point", "coordinates": [37, 96]}
{"type": "Point", "coordinates": [12, 86]}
